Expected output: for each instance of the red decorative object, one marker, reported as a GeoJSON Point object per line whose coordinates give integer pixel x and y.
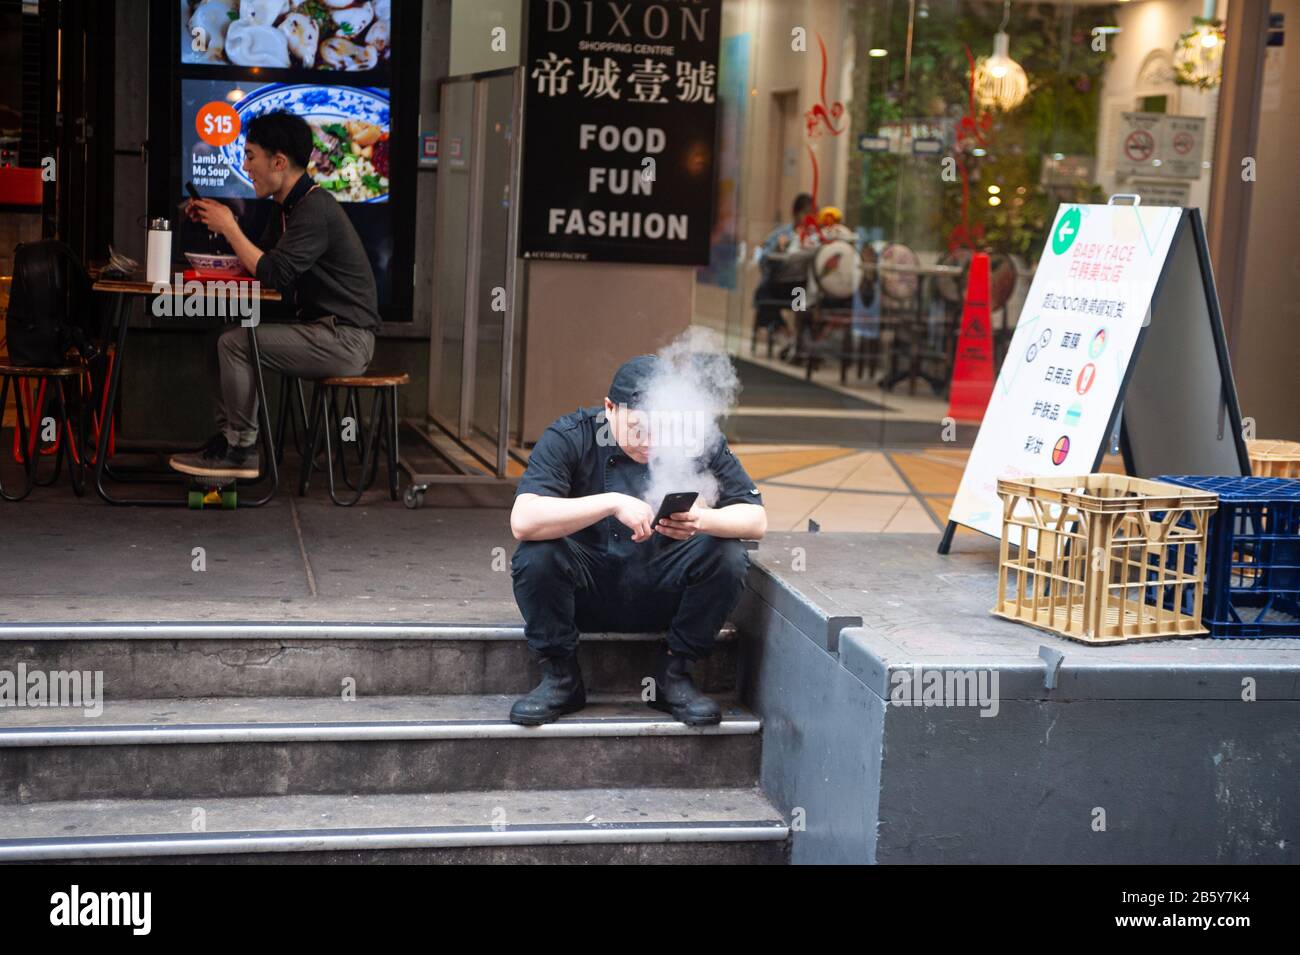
{"type": "Point", "coordinates": [972, 373]}
{"type": "Point", "coordinates": [809, 223]}
{"type": "Point", "coordinates": [823, 116]}
{"type": "Point", "coordinates": [970, 133]}
{"type": "Point", "coordinates": [819, 119]}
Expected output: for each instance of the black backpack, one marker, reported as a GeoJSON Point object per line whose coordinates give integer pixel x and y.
{"type": "Point", "coordinates": [49, 305]}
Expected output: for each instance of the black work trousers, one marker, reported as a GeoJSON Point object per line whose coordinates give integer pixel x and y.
{"type": "Point", "coordinates": [686, 587]}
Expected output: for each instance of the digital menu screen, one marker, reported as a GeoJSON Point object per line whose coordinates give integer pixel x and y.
{"type": "Point", "coordinates": [330, 35]}
{"type": "Point", "coordinates": [350, 130]}
{"type": "Point", "coordinates": [327, 61]}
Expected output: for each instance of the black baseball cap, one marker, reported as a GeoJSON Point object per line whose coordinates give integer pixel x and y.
{"type": "Point", "coordinates": [632, 379]}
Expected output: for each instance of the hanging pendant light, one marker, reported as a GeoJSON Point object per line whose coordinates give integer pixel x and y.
{"type": "Point", "coordinates": [1198, 54]}
{"type": "Point", "coordinates": [1000, 82]}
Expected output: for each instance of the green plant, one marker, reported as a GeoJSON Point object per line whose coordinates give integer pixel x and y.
{"type": "Point", "coordinates": [905, 198]}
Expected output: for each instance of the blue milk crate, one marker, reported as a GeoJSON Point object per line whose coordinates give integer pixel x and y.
{"type": "Point", "coordinates": [1252, 582]}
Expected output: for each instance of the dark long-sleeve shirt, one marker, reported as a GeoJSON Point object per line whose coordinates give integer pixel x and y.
{"type": "Point", "coordinates": [571, 460]}
{"type": "Point", "coordinates": [318, 256]}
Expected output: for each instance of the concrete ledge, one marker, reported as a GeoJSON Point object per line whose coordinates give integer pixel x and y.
{"type": "Point", "coordinates": [917, 609]}
{"type": "Point", "coordinates": [1177, 751]}
{"type": "Point", "coordinates": [876, 661]}
{"type": "Point", "coordinates": [818, 615]}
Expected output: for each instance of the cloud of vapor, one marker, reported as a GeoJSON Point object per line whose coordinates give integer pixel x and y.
{"type": "Point", "coordinates": [695, 386]}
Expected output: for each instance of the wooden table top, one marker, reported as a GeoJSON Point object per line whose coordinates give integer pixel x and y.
{"type": "Point", "coordinates": [132, 287]}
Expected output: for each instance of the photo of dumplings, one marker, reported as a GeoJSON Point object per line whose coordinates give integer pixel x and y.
{"type": "Point", "coordinates": [342, 35]}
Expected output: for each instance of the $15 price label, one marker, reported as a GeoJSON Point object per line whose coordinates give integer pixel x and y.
{"type": "Point", "coordinates": [217, 123]}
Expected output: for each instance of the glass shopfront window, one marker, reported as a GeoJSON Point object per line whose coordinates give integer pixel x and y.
{"type": "Point", "coordinates": [924, 131]}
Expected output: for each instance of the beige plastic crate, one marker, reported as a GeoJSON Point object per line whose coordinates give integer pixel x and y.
{"type": "Point", "coordinates": [1103, 558]}
{"type": "Point", "coordinates": [1274, 458]}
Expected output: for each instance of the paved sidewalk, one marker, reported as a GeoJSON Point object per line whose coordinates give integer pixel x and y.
{"type": "Point", "coordinates": [65, 559]}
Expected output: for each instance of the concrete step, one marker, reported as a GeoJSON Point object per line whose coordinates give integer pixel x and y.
{"type": "Point", "coordinates": [187, 661]}
{"type": "Point", "coordinates": [729, 825]}
{"type": "Point", "coordinates": [229, 747]}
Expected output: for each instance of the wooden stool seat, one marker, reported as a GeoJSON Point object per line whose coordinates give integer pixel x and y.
{"type": "Point", "coordinates": [381, 429]}
{"type": "Point", "coordinates": [371, 379]}
{"type": "Point", "coordinates": [41, 371]}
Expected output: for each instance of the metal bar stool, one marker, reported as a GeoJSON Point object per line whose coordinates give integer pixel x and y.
{"type": "Point", "coordinates": [292, 414]}
{"type": "Point", "coordinates": [352, 408]}
{"type": "Point", "coordinates": [28, 450]}
{"type": "Point", "coordinates": [293, 411]}
{"type": "Point", "coordinates": [381, 428]}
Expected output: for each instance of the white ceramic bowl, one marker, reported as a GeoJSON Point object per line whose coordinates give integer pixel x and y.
{"type": "Point", "coordinates": [217, 264]}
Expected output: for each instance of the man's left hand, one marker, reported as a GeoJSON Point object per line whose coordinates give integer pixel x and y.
{"type": "Point", "coordinates": [684, 524]}
{"type": "Point", "coordinates": [215, 215]}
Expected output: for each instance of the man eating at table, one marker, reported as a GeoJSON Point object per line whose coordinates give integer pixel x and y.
{"type": "Point", "coordinates": [309, 250]}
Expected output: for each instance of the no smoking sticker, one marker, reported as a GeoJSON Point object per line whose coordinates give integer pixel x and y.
{"type": "Point", "coordinates": [1139, 145]}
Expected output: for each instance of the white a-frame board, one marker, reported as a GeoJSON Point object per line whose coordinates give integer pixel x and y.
{"type": "Point", "coordinates": [1122, 318]}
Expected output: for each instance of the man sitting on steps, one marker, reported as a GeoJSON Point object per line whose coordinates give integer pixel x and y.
{"type": "Point", "coordinates": [311, 250]}
{"type": "Point", "coordinates": [590, 559]}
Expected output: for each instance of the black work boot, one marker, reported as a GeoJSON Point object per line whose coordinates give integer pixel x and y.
{"type": "Point", "coordinates": [676, 694]}
{"type": "Point", "coordinates": [561, 691]}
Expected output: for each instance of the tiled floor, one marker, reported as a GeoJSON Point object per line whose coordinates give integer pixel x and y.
{"type": "Point", "coordinates": [849, 487]}
{"type": "Point", "coordinates": [843, 489]}
{"type": "Point", "coordinates": [846, 488]}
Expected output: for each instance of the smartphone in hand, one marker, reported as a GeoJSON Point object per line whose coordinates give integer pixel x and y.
{"type": "Point", "coordinates": [675, 504]}
{"type": "Point", "coordinates": [190, 209]}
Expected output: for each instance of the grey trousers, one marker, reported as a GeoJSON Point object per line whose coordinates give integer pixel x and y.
{"type": "Point", "coordinates": [314, 349]}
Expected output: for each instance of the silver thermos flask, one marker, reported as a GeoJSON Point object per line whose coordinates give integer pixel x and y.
{"type": "Point", "coordinates": [159, 261]}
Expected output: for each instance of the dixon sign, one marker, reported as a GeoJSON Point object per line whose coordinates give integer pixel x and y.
{"type": "Point", "coordinates": [619, 116]}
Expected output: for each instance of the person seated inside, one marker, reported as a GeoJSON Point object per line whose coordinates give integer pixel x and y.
{"type": "Point", "coordinates": [781, 271]}
{"type": "Point", "coordinates": [310, 251]}
{"type": "Point", "coordinates": [589, 558]}
{"type": "Point", "coordinates": [834, 278]}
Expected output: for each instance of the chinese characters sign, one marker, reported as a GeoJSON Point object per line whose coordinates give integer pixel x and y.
{"type": "Point", "coordinates": [620, 117]}
{"type": "Point", "coordinates": [1068, 361]}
